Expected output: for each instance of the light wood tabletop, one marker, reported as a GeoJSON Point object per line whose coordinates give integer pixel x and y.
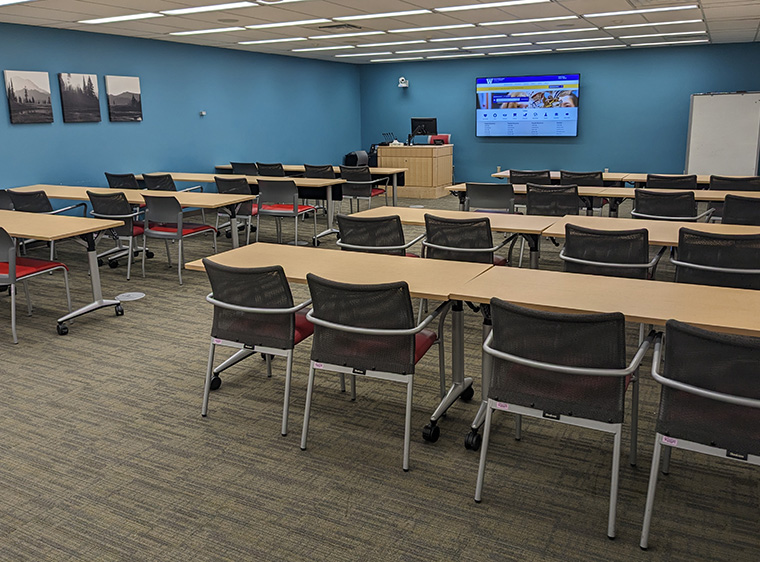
{"type": "Point", "coordinates": [500, 222]}
{"type": "Point", "coordinates": [433, 279]}
{"type": "Point", "coordinates": [640, 300]}
{"type": "Point", "coordinates": [296, 168]}
{"type": "Point", "coordinates": [661, 233]}
{"type": "Point", "coordinates": [41, 226]}
{"type": "Point", "coordinates": [555, 175]}
{"type": "Point", "coordinates": [209, 178]}
{"type": "Point", "coordinates": [699, 194]}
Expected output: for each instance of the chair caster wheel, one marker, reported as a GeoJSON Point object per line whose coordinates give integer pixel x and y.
{"type": "Point", "coordinates": [472, 441]}
{"type": "Point", "coordinates": [216, 382]}
{"type": "Point", "coordinates": [100, 262]}
{"type": "Point", "coordinates": [467, 394]}
{"type": "Point", "coordinates": [149, 254]}
{"type": "Point", "coordinates": [431, 432]}
{"type": "Point", "coordinates": [113, 264]}
{"type": "Point", "coordinates": [119, 310]}
{"type": "Point", "coordinates": [62, 329]}
{"type": "Point", "coordinates": [228, 234]}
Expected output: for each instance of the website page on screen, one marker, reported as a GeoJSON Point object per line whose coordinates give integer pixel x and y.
{"type": "Point", "coordinates": [528, 106]}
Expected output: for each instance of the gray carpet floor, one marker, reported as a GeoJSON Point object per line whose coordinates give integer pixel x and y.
{"type": "Point", "coordinates": [104, 454]}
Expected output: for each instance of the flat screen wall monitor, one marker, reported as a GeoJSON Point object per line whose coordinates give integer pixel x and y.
{"type": "Point", "coordinates": [424, 126]}
{"type": "Point", "coordinates": [527, 106]}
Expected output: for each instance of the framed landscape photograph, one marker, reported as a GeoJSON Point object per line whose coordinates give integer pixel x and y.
{"type": "Point", "coordinates": [124, 100]}
{"type": "Point", "coordinates": [28, 96]}
{"type": "Point", "coordinates": [79, 97]}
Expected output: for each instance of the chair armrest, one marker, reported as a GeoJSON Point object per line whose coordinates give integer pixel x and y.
{"type": "Point", "coordinates": [708, 213]}
{"type": "Point", "coordinates": [606, 264]}
{"type": "Point", "coordinates": [101, 216]}
{"type": "Point", "coordinates": [377, 331]}
{"type": "Point", "coordinates": [701, 267]}
{"type": "Point", "coordinates": [684, 387]}
{"type": "Point", "coordinates": [476, 250]}
{"type": "Point", "coordinates": [632, 366]}
{"type": "Point", "coordinates": [194, 188]}
{"type": "Point", "coordinates": [83, 205]}
{"type": "Point", "coordinates": [293, 309]}
{"type": "Point", "coordinates": [365, 248]}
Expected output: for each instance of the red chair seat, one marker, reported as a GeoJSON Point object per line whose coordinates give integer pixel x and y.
{"type": "Point", "coordinates": [137, 229]}
{"type": "Point", "coordinates": [187, 229]}
{"type": "Point", "coordinates": [498, 260]}
{"type": "Point", "coordinates": [304, 328]}
{"type": "Point", "coordinates": [287, 208]}
{"type": "Point", "coordinates": [411, 255]}
{"type": "Point", "coordinates": [376, 191]}
{"type": "Point", "coordinates": [423, 340]}
{"type": "Point", "coordinates": [30, 266]}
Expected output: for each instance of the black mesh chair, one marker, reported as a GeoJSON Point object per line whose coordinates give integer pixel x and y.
{"type": "Point", "coordinates": [245, 168]}
{"type": "Point", "coordinates": [676, 206]}
{"type": "Point", "coordinates": [569, 368]}
{"type": "Point", "coordinates": [318, 193]}
{"type": "Point", "coordinates": [272, 170]}
{"type": "Point", "coordinates": [461, 240]}
{"type": "Point", "coordinates": [253, 313]}
{"type": "Point", "coordinates": [494, 197]}
{"type": "Point", "coordinates": [38, 202]}
{"type": "Point", "coordinates": [586, 179]}
{"type": "Point", "coordinates": [6, 204]}
{"type": "Point", "coordinates": [165, 182]}
{"type": "Point", "coordinates": [246, 210]}
{"type": "Point", "coordinates": [360, 185]}
{"type": "Point", "coordinates": [164, 220]}
{"type": "Point", "coordinates": [731, 183]}
{"type": "Point", "coordinates": [523, 177]}
{"type": "Point", "coordinates": [367, 330]}
{"type": "Point", "coordinates": [710, 399]}
{"type": "Point", "coordinates": [706, 258]}
{"type": "Point", "coordinates": [552, 200]}
{"type": "Point", "coordinates": [115, 206]}
{"type": "Point", "coordinates": [657, 181]}
{"type": "Point", "coordinates": [375, 235]}
{"type": "Point", "coordinates": [279, 199]}
{"type": "Point", "coordinates": [14, 269]}
{"type": "Point", "coordinates": [122, 181]}
{"type": "Point", "coordinates": [741, 210]}
{"type": "Point", "coordinates": [615, 253]}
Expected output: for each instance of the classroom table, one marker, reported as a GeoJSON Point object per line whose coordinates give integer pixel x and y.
{"type": "Point", "coordinates": [529, 227]}
{"type": "Point", "coordinates": [41, 226]}
{"type": "Point", "coordinates": [134, 197]}
{"type": "Point", "coordinates": [300, 168]}
{"type": "Point", "coordinates": [640, 179]}
{"type": "Point", "coordinates": [326, 183]}
{"type": "Point", "coordinates": [617, 195]}
{"type": "Point", "coordinates": [640, 300]}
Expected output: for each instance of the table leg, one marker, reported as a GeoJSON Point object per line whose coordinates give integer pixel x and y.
{"type": "Point", "coordinates": [473, 439]}
{"type": "Point", "coordinates": [97, 293]}
{"type": "Point", "coordinates": [394, 199]}
{"type": "Point", "coordinates": [234, 227]}
{"type": "Point", "coordinates": [330, 216]}
{"type": "Point", "coordinates": [534, 243]}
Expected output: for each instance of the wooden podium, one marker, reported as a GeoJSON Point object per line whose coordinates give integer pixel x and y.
{"type": "Point", "coordinates": [430, 168]}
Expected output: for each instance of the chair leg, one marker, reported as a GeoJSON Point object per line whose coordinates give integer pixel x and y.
{"type": "Point", "coordinates": [315, 227]}
{"type": "Point", "coordinates": [518, 427]}
{"type": "Point", "coordinates": [295, 236]}
{"type": "Point", "coordinates": [483, 453]}
{"type": "Point", "coordinates": [650, 491]}
{"type": "Point", "coordinates": [614, 483]}
{"type": "Point", "coordinates": [143, 255]}
{"type": "Point", "coordinates": [353, 388]}
{"type": "Point", "coordinates": [129, 257]}
{"type": "Point", "coordinates": [13, 312]}
{"type": "Point", "coordinates": [408, 421]}
{"type": "Point", "coordinates": [634, 419]}
{"type": "Point", "coordinates": [66, 286]}
{"type": "Point", "coordinates": [207, 386]}
{"type": "Point", "coordinates": [248, 231]}
{"type": "Point", "coordinates": [180, 260]}
{"type": "Point", "coordinates": [268, 360]}
{"type": "Point", "coordinates": [342, 382]}
{"type": "Point", "coordinates": [257, 227]}
{"type": "Point", "coordinates": [214, 242]}
{"type": "Point", "coordinates": [666, 460]}
{"type": "Point", "coordinates": [307, 409]}
{"type": "Point", "coordinates": [286, 400]}
{"type": "Point", "coordinates": [168, 255]}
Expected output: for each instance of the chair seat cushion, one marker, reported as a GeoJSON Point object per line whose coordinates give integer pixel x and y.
{"type": "Point", "coordinates": [30, 266]}
{"type": "Point", "coordinates": [498, 260]}
{"type": "Point", "coordinates": [304, 328]}
{"type": "Point", "coordinates": [411, 255]}
{"type": "Point", "coordinates": [423, 340]}
{"type": "Point", "coordinates": [187, 228]}
{"type": "Point", "coordinates": [137, 229]}
{"type": "Point", "coordinates": [376, 191]}
{"type": "Point", "coordinates": [285, 208]}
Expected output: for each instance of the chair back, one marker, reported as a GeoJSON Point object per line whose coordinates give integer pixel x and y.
{"type": "Point", "coordinates": [7, 255]}
{"type": "Point", "coordinates": [371, 231]}
{"type": "Point", "coordinates": [717, 362]}
{"type": "Point", "coordinates": [587, 179]}
{"type": "Point", "coordinates": [113, 204]}
{"type": "Point", "coordinates": [237, 186]}
{"type": "Point", "coordinates": [725, 251]}
{"type": "Point", "coordinates": [657, 181]}
{"type": "Point", "coordinates": [255, 287]}
{"type": "Point", "coordinates": [606, 246]}
{"type": "Point", "coordinates": [575, 340]}
{"type": "Point", "coordinates": [467, 234]}
{"type": "Point", "coordinates": [741, 210]}
{"type": "Point", "coordinates": [385, 306]}
{"type": "Point", "coordinates": [31, 201]}
{"type": "Point", "coordinates": [552, 200]}
{"type": "Point", "coordinates": [680, 206]}
{"type": "Point", "coordinates": [358, 181]}
{"type": "Point", "coordinates": [159, 182]}
{"type": "Point", "coordinates": [245, 168]}
{"type": "Point", "coordinates": [735, 183]}
{"type": "Point", "coordinates": [499, 196]}
{"type": "Point", "coordinates": [278, 192]}
{"type": "Point", "coordinates": [522, 177]}
{"type": "Point", "coordinates": [273, 170]}
{"type": "Point", "coordinates": [160, 209]}
{"type": "Point", "coordinates": [122, 181]}
{"type": "Point", "coordinates": [324, 172]}
{"type": "Point", "coordinates": [6, 203]}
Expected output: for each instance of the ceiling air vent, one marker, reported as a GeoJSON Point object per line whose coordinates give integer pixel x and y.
{"type": "Point", "coordinates": [341, 26]}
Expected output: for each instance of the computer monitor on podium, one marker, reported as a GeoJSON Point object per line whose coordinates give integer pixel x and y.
{"type": "Point", "coordinates": [424, 126]}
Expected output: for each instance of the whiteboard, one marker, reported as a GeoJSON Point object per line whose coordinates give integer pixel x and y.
{"type": "Point", "coordinates": [724, 134]}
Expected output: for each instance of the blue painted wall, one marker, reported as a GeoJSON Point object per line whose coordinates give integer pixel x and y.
{"type": "Point", "coordinates": [634, 105]}
{"type": "Point", "coordinates": [259, 107]}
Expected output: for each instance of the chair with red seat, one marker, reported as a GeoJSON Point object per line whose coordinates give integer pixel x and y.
{"type": "Point", "coordinates": [376, 235]}
{"type": "Point", "coordinates": [369, 331]}
{"type": "Point", "coordinates": [461, 240]}
{"type": "Point", "coordinates": [116, 206]}
{"type": "Point", "coordinates": [14, 269]}
{"type": "Point", "coordinates": [279, 199]}
{"type": "Point", "coordinates": [360, 185]}
{"type": "Point", "coordinates": [164, 220]}
{"type": "Point", "coordinates": [245, 210]}
{"type": "Point", "coordinates": [564, 367]}
{"type": "Point", "coordinates": [254, 313]}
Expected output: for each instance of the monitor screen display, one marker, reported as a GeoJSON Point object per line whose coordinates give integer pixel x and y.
{"type": "Point", "coordinates": [424, 126]}
{"type": "Point", "coordinates": [528, 106]}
